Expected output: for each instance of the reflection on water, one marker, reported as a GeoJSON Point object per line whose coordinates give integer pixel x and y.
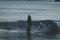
{"type": "Point", "coordinates": [41, 34]}
{"type": "Point", "coordinates": [22, 36]}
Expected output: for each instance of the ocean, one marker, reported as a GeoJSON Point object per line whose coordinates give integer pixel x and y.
{"type": "Point", "coordinates": [11, 12]}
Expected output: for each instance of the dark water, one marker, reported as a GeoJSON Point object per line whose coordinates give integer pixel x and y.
{"type": "Point", "coordinates": [20, 34]}
{"type": "Point", "coordinates": [13, 35]}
